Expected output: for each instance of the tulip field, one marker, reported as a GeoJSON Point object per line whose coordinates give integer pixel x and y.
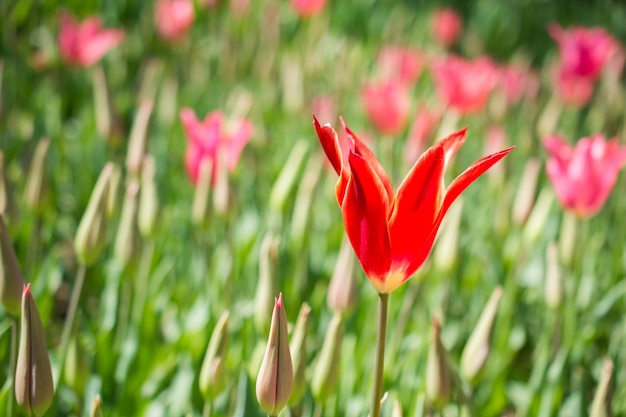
{"type": "Point", "coordinates": [312, 208]}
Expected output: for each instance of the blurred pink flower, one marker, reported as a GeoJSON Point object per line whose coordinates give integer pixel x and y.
{"type": "Point", "coordinates": [422, 129]}
{"type": "Point", "coordinates": [583, 176]}
{"type": "Point", "coordinates": [307, 8]}
{"type": "Point", "coordinates": [85, 43]}
{"type": "Point", "coordinates": [387, 105]}
{"type": "Point", "coordinates": [464, 85]}
{"type": "Point", "coordinates": [446, 25]}
{"type": "Point", "coordinates": [395, 62]}
{"type": "Point", "coordinates": [173, 18]}
{"type": "Point", "coordinates": [323, 107]}
{"type": "Point", "coordinates": [208, 137]}
{"type": "Point", "coordinates": [518, 82]}
{"type": "Point", "coordinates": [585, 52]}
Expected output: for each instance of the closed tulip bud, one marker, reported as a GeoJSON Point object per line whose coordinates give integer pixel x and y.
{"type": "Point", "coordinates": [96, 407]}
{"type": "Point", "coordinates": [287, 178]}
{"type": "Point", "coordinates": [478, 346]}
{"type": "Point", "coordinates": [526, 191]}
{"type": "Point", "coordinates": [213, 372]}
{"type": "Point", "coordinates": [200, 206]}
{"type": "Point", "coordinates": [137, 143]}
{"type": "Point", "coordinates": [148, 198]}
{"type": "Point", "coordinates": [35, 182]}
{"type": "Point", "coordinates": [91, 233]}
{"type": "Point", "coordinates": [127, 238]}
{"type": "Point", "coordinates": [601, 406]}
{"type": "Point", "coordinates": [34, 388]}
{"type": "Point", "coordinates": [326, 373]}
{"type": "Point", "coordinates": [553, 290]}
{"type": "Point", "coordinates": [447, 248]}
{"type": "Point", "coordinates": [275, 379]}
{"type": "Point", "coordinates": [538, 216]}
{"type": "Point", "coordinates": [11, 281]}
{"type": "Point", "coordinates": [298, 349]}
{"type": "Point", "coordinates": [267, 283]}
{"type": "Point", "coordinates": [342, 290]}
{"type": "Point", "coordinates": [439, 377]}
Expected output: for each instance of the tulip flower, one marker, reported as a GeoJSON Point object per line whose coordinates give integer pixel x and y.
{"type": "Point", "coordinates": [446, 26]}
{"type": "Point", "coordinates": [464, 85]}
{"type": "Point", "coordinates": [392, 234]}
{"type": "Point", "coordinates": [307, 8]}
{"type": "Point", "coordinates": [173, 18]}
{"type": "Point", "coordinates": [387, 105]}
{"type": "Point", "coordinates": [583, 176]}
{"type": "Point", "coordinates": [584, 54]}
{"type": "Point", "coordinates": [400, 63]}
{"type": "Point", "coordinates": [84, 43]}
{"type": "Point", "coordinates": [205, 138]}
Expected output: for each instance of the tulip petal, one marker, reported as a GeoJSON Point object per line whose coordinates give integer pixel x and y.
{"type": "Point", "coordinates": [455, 189]}
{"type": "Point", "coordinates": [452, 144]}
{"type": "Point", "coordinates": [416, 207]}
{"type": "Point", "coordinates": [365, 209]}
{"type": "Point", "coordinates": [362, 149]}
{"type": "Point", "coordinates": [330, 143]}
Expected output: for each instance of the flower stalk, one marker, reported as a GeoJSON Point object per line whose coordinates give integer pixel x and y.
{"type": "Point", "coordinates": [379, 364]}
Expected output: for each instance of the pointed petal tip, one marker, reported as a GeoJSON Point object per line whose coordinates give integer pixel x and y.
{"type": "Point", "coordinates": [279, 300]}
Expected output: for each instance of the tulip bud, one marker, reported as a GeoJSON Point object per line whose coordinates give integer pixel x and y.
{"type": "Point", "coordinates": [439, 382]}
{"type": "Point", "coordinates": [601, 406]}
{"type": "Point", "coordinates": [127, 238]}
{"type": "Point", "coordinates": [538, 216]}
{"type": "Point", "coordinates": [96, 407]}
{"type": "Point", "coordinates": [108, 124]}
{"type": "Point", "coordinates": [213, 372]}
{"type": "Point", "coordinates": [36, 174]}
{"type": "Point", "coordinates": [113, 192]}
{"type": "Point", "coordinates": [288, 176]}
{"type": "Point", "coordinates": [553, 285]}
{"type": "Point", "coordinates": [342, 290]}
{"type": "Point", "coordinates": [326, 373]}
{"type": "Point", "coordinates": [275, 379]}
{"type": "Point", "coordinates": [298, 348]}
{"type": "Point", "coordinates": [11, 281]}
{"type": "Point", "coordinates": [148, 198]}
{"type": "Point", "coordinates": [446, 250]}
{"type": "Point", "coordinates": [34, 389]}
{"type": "Point", "coordinates": [221, 191]}
{"type": "Point", "coordinates": [526, 191]}
{"type": "Point", "coordinates": [138, 139]}
{"type": "Point", "coordinates": [267, 283]}
{"type": "Point", "coordinates": [200, 206]}
{"type": "Point", "coordinates": [478, 346]}
{"type": "Point", "coordinates": [91, 232]}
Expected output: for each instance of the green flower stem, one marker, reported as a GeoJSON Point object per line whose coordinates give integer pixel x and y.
{"type": "Point", "coordinates": [383, 302]}
{"type": "Point", "coordinates": [206, 412]}
{"type": "Point", "coordinates": [69, 322]}
{"type": "Point", "coordinates": [141, 289]}
{"type": "Point", "coordinates": [12, 363]}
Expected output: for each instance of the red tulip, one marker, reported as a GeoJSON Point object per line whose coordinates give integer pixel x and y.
{"type": "Point", "coordinates": [464, 85]}
{"type": "Point", "coordinates": [307, 8]}
{"type": "Point", "coordinates": [387, 105]}
{"type": "Point", "coordinates": [173, 18]}
{"type": "Point", "coordinates": [205, 138]}
{"type": "Point", "coordinates": [392, 234]}
{"type": "Point", "coordinates": [85, 43]}
{"type": "Point", "coordinates": [446, 25]}
{"type": "Point", "coordinates": [583, 176]}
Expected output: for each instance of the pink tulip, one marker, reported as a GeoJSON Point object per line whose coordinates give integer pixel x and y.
{"type": "Point", "coordinates": [585, 52]}
{"type": "Point", "coordinates": [518, 82]}
{"type": "Point", "coordinates": [173, 18]}
{"type": "Point", "coordinates": [446, 25]}
{"type": "Point", "coordinates": [205, 138]}
{"type": "Point", "coordinates": [307, 8]}
{"type": "Point", "coordinates": [387, 105]}
{"type": "Point", "coordinates": [583, 176]}
{"type": "Point", "coordinates": [84, 43]}
{"type": "Point", "coordinates": [464, 85]}
{"type": "Point", "coordinates": [400, 63]}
